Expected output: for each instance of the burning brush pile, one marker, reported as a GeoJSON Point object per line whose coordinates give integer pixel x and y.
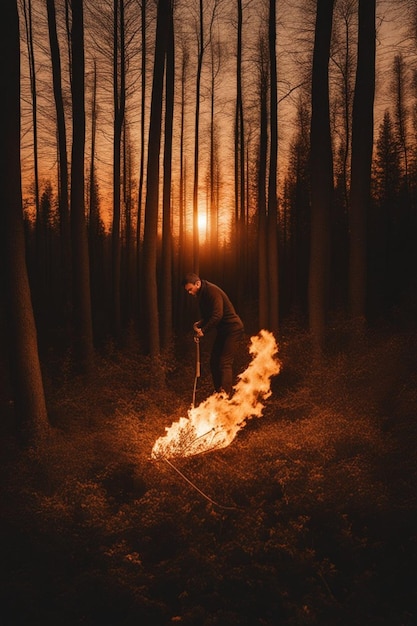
{"type": "Point", "coordinates": [215, 422]}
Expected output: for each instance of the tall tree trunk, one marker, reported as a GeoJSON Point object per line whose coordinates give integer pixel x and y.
{"type": "Point", "coordinates": [362, 144]}
{"type": "Point", "coordinates": [93, 216]}
{"type": "Point", "coordinates": [272, 220]}
{"type": "Point", "coordinates": [83, 339]}
{"type": "Point", "coordinates": [139, 259]}
{"type": "Point", "coordinates": [63, 203]}
{"type": "Point", "coordinates": [129, 271]}
{"type": "Point", "coordinates": [196, 243]}
{"type": "Point", "coordinates": [213, 212]}
{"type": "Point", "coordinates": [166, 308]}
{"type": "Point", "coordinates": [321, 176]}
{"type": "Point", "coordinates": [39, 230]}
{"type": "Point", "coordinates": [119, 98]}
{"type": "Point", "coordinates": [184, 250]}
{"type": "Point", "coordinates": [262, 209]}
{"type": "Point", "coordinates": [99, 284]}
{"type": "Point", "coordinates": [152, 182]}
{"type": "Point", "coordinates": [239, 157]}
{"type": "Point", "coordinates": [25, 371]}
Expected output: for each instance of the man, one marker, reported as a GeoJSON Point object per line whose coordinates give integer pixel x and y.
{"type": "Point", "coordinates": [217, 313]}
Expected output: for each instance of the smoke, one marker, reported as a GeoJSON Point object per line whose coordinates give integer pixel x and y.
{"type": "Point", "coordinates": [216, 421]}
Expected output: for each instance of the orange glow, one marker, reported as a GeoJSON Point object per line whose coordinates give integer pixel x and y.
{"type": "Point", "coordinates": [217, 420]}
{"type": "Point", "coordinates": [202, 223]}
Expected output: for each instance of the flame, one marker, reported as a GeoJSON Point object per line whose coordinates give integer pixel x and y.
{"type": "Point", "coordinates": [216, 421]}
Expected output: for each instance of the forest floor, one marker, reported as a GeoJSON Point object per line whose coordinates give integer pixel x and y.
{"type": "Point", "coordinates": [309, 517]}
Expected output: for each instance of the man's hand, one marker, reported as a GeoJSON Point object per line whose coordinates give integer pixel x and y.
{"type": "Point", "coordinates": [197, 330]}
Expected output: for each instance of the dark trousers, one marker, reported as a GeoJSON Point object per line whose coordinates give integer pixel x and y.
{"type": "Point", "coordinates": [222, 356]}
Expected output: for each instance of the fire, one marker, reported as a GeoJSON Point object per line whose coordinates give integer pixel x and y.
{"type": "Point", "coordinates": [216, 421]}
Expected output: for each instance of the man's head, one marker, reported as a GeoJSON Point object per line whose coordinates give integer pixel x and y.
{"type": "Point", "coordinates": [191, 283]}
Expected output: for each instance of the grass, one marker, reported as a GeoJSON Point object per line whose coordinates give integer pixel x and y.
{"type": "Point", "coordinates": [309, 517]}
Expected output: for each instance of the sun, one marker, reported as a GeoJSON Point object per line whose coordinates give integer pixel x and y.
{"type": "Point", "coordinates": [202, 223]}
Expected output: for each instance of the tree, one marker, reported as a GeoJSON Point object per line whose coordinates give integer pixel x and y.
{"type": "Point", "coordinates": [361, 160]}
{"type": "Point", "coordinates": [261, 186]}
{"type": "Point", "coordinates": [401, 114]}
{"type": "Point", "coordinates": [184, 252]}
{"type": "Point", "coordinates": [39, 243]}
{"type": "Point", "coordinates": [213, 178]}
{"type": "Point", "coordinates": [25, 371]}
{"type": "Point", "coordinates": [83, 331]}
{"type": "Point", "coordinates": [239, 166]}
{"type": "Point", "coordinates": [119, 103]}
{"type": "Point", "coordinates": [384, 261]}
{"type": "Point", "coordinates": [152, 181]}
{"type": "Point", "coordinates": [95, 223]}
{"type": "Point", "coordinates": [321, 164]}
{"type": "Point", "coordinates": [272, 225]}
{"type": "Point", "coordinates": [296, 243]}
{"type": "Point", "coordinates": [27, 12]}
{"type": "Point", "coordinates": [201, 47]}
{"type": "Point", "coordinates": [141, 152]}
{"type": "Point", "coordinates": [128, 265]}
{"type": "Point", "coordinates": [343, 57]}
{"type": "Point", "coordinates": [166, 307]}
{"type": "Point", "coordinates": [405, 217]}
{"type": "Point", "coordinates": [63, 204]}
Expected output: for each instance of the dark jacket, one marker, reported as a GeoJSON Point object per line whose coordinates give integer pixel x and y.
{"type": "Point", "coordinates": [216, 309]}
